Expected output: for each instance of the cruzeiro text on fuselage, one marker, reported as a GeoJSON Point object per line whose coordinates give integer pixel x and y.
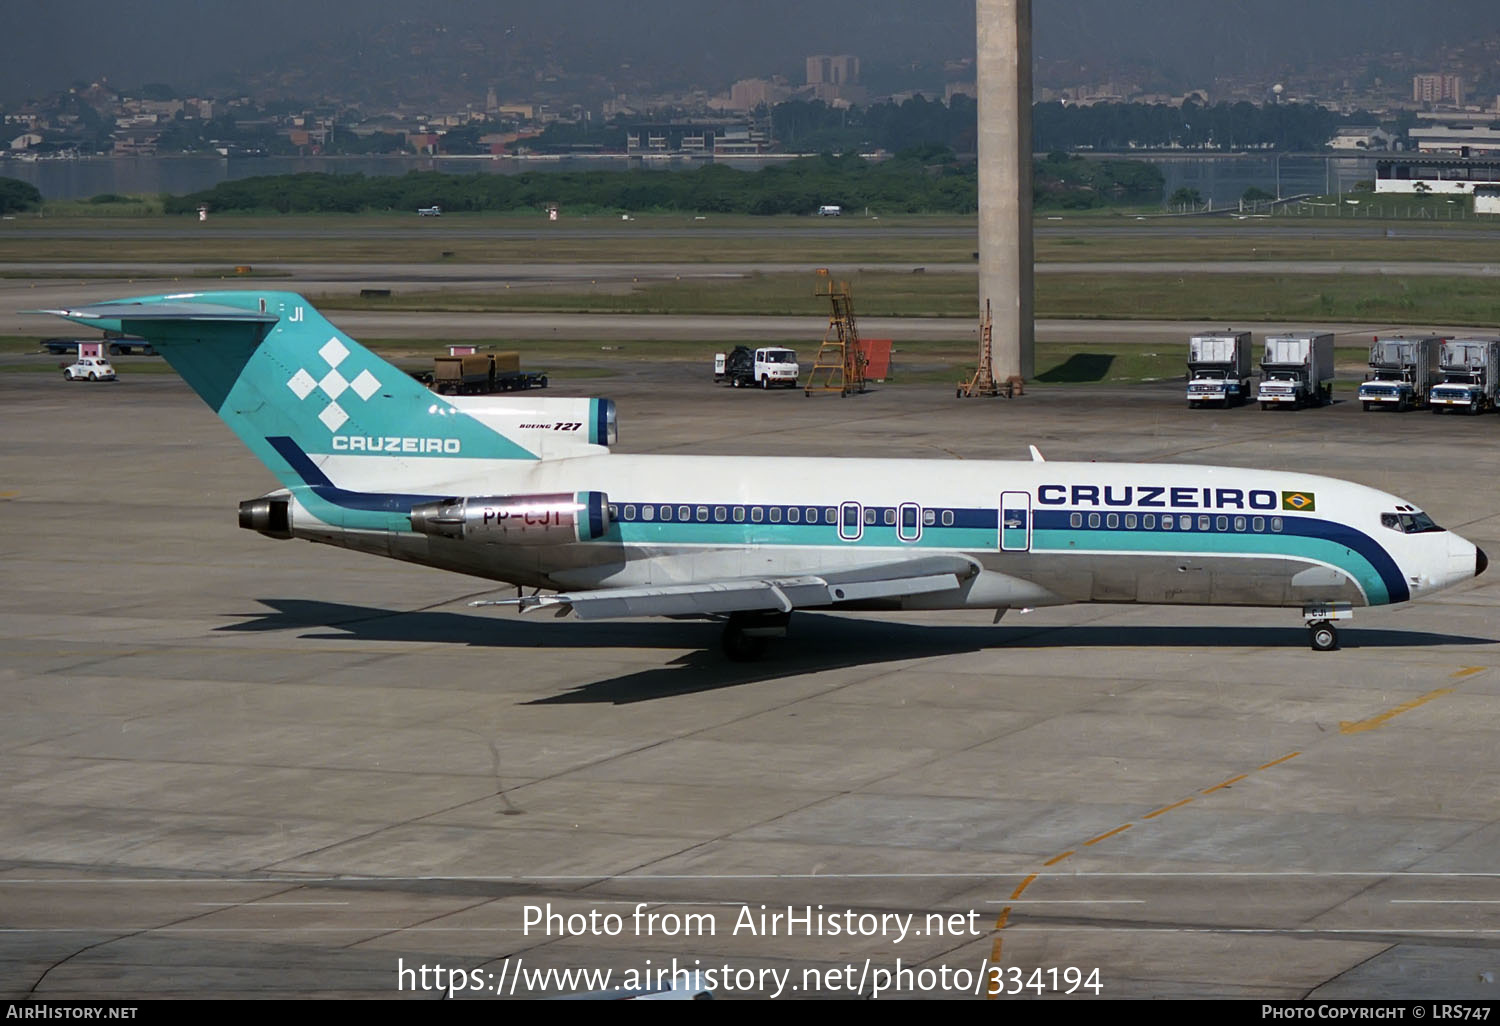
{"type": "Point", "coordinates": [1156, 497]}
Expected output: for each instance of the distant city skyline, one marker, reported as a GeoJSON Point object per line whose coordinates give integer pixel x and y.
{"type": "Point", "coordinates": [215, 47]}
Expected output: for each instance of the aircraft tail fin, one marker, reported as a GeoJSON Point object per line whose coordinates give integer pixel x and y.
{"type": "Point", "coordinates": [292, 386]}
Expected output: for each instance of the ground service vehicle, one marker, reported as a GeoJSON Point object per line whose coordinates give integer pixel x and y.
{"type": "Point", "coordinates": [481, 374]}
{"type": "Point", "coordinates": [1402, 372]}
{"type": "Point", "coordinates": [1470, 368]}
{"type": "Point", "coordinates": [769, 367]}
{"type": "Point", "coordinates": [1296, 371]}
{"type": "Point", "coordinates": [1219, 369]}
{"type": "Point", "coordinates": [90, 368]}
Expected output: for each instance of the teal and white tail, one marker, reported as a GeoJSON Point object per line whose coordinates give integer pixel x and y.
{"type": "Point", "coordinates": [288, 382]}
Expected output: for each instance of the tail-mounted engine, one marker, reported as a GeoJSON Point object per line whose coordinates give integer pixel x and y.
{"type": "Point", "coordinates": [269, 514]}
{"type": "Point", "coordinates": [559, 519]}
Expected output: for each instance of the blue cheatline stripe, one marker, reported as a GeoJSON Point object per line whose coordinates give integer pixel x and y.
{"type": "Point", "coordinates": [319, 485]}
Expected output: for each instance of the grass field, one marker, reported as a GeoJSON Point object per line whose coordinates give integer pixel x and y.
{"type": "Point", "coordinates": [1212, 297]}
{"type": "Point", "coordinates": [228, 241]}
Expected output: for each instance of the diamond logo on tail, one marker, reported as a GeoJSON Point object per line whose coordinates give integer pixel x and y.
{"type": "Point", "coordinates": [333, 384]}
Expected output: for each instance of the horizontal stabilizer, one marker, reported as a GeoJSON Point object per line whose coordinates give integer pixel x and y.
{"type": "Point", "coordinates": [216, 312]}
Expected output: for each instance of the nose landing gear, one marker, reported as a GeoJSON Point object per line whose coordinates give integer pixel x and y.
{"type": "Point", "coordinates": [1322, 634]}
{"type": "Point", "coordinates": [1325, 636]}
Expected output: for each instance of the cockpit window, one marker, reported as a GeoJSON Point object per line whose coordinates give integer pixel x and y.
{"type": "Point", "coordinates": [1414, 522]}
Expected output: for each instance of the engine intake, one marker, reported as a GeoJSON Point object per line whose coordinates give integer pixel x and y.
{"type": "Point", "coordinates": [557, 519]}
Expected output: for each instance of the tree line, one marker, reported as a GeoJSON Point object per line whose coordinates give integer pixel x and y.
{"type": "Point", "coordinates": [922, 180]}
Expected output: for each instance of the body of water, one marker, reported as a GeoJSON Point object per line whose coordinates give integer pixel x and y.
{"type": "Point", "coordinates": [1222, 180]}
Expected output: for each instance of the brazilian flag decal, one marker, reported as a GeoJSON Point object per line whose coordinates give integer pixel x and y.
{"type": "Point", "coordinates": [1302, 502]}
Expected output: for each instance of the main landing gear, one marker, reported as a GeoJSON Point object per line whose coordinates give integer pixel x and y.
{"type": "Point", "coordinates": [1322, 634]}
{"type": "Point", "coordinates": [746, 634]}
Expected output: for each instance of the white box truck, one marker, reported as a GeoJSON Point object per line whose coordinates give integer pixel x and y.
{"type": "Point", "coordinates": [768, 367]}
{"type": "Point", "coordinates": [1470, 369]}
{"type": "Point", "coordinates": [1296, 371]}
{"type": "Point", "coordinates": [1402, 372]}
{"type": "Point", "coordinates": [1219, 369]}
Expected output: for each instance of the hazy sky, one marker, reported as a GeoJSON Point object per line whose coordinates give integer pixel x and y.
{"type": "Point", "coordinates": [54, 42]}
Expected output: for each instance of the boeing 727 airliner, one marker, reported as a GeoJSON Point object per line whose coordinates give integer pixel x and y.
{"type": "Point", "coordinates": [526, 491]}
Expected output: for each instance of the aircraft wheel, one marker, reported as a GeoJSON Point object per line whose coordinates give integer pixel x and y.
{"type": "Point", "coordinates": [739, 646]}
{"type": "Point", "coordinates": [1324, 636]}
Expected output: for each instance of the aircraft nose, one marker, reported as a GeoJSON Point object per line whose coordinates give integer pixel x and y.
{"type": "Point", "coordinates": [1481, 561]}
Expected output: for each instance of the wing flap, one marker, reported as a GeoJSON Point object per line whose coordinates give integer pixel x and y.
{"type": "Point", "coordinates": [784, 594]}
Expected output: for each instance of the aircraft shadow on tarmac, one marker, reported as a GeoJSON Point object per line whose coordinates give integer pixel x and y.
{"type": "Point", "coordinates": [816, 642]}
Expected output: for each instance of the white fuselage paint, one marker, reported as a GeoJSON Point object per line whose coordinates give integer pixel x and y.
{"type": "Point", "coordinates": [1338, 550]}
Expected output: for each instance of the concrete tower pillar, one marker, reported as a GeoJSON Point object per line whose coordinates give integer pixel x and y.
{"type": "Point", "coordinates": [1005, 249]}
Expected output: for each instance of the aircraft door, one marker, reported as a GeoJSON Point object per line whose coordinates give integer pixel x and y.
{"type": "Point", "coordinates": [1015, 522]}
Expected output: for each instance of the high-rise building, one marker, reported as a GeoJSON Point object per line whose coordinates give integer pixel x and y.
{"type": "Point", "coordinates": [1438, 88]}
{"type": "Point", "coordinates": [825, 70]}
{"type": "Point", "coordinates": [835, 78]}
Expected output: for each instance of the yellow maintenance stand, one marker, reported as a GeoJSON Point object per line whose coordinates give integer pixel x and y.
{"type": "Point", "coordinates": [983, 382]}
{"type": "Point", "coordinates": [840, 363]}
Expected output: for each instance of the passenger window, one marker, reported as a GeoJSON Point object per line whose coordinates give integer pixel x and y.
{"type": "Point", "coordinates": [1166, 522]}
{"type": "Point", "coordinates": [1185, 522]}
{"type": "Point", "coordinates": [1112, 521]}
{"type": "Point", "coordinates": [1258, 525]}
{"type": "Point", "coordinates": [1130, 521]}
{"type": "Point", "coordinates": [1221, 523]}
{"type": "Point", "coordinates": [947, 518]}
{"type": "Point", "coordinates": [812, 516]}
{"type": "Point", "coordinates": [1075, 520]}
{"type": "Point", "coordinates": [929, 518]}
{"type": "Point", "coordinates": [1239, 524]}
{"type": "Point", "coordinates": [890, 518]}
{"type": "Point", "coordinates": [648, 512]}
{"type": "Point", "coordinates": [684, 514]}
{"type": "Point", "coordinates": [775, 514]}
{"type": "Point", "coordinates": [702, 514]}
{"type": "Point", "coordinates": [830, 516]}
{"type": "Point", "coordinates": [1276, 524]}
{"type": "Point", "coordinates": [1203, 522]}
{"type": "Point", "coordinates": [870, 516]}
{"type": "Point", "coordinates": [1093, 520]}
{"type": "Point", "coordinates": [739, 514]}
{"type": "Point", "coordinates": [757, 514]}
{"type": "Point", "coordinates": [1148, 521]}
{"type": "Point", "coordinates": [614, 512]}
{"type": "Point", "coordinates": [719, 514]}
{"type": "Point", "coordinates": [793, 514]}
{"type": "Point", "coordinates": [629, 512]}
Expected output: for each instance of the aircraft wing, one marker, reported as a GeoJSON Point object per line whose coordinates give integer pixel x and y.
{"type": "Point", "coordinates": [784, 593]}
